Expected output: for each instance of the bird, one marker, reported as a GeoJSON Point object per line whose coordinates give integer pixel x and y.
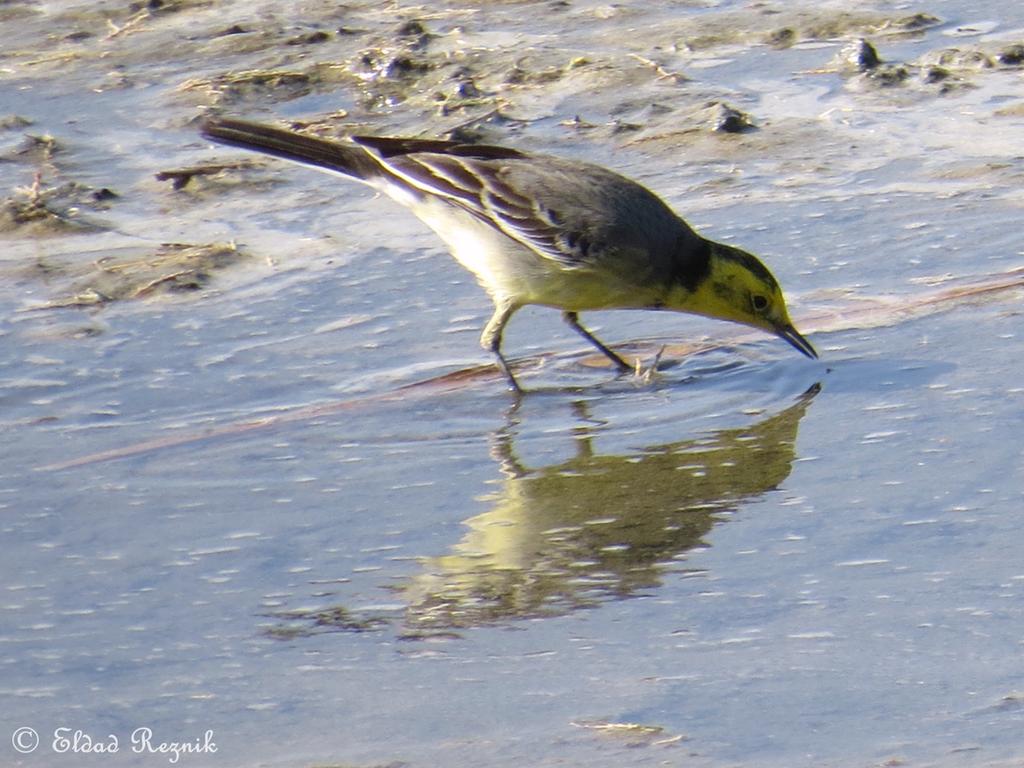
{"type": "Point", "coordinates": [537, 229]}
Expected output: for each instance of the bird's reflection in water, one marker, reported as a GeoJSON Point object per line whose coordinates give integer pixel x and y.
{"type": "Point", "coordinates": [596, 526]}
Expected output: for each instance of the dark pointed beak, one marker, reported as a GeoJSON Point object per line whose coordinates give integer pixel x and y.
{"type": "Point", "coordinates": [790, 334]}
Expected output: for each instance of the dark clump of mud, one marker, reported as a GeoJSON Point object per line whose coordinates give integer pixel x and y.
{"type": "Point", "coordinates": [172, 268]}
{"type": "Point", "coordinates": [232, 88]}
{"type": "Point", "coordinates": [180, 178]}
{"type": "Point", "coordinates": [857, 56]}
{"type": "Point", "coordinates": [47, 206]}
{"type": "Point", "coordinates": [41, 211]}
{"type": "Point", "coordinates": [781, 27]}
{"type": "Point", "coordinates": [949, 68]}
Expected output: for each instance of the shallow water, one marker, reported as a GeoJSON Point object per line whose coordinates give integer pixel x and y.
{"type": "Point", "coordinates": [293, 509]}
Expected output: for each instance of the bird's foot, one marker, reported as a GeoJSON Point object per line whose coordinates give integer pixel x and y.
{"type": "Point", "coordinates": [647, 374]}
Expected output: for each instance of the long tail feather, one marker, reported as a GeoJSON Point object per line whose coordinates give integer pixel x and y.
{"type": "Point", "coordinates": [348, 159]}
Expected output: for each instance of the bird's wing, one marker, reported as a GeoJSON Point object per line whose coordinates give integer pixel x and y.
{"type": "Point", "coordinates": [471, 177]}
{"type": "Point", "coordinates": [509, 190]}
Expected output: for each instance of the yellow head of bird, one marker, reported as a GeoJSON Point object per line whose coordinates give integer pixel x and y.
{"type": "Point", "coordinates": [738, 287]}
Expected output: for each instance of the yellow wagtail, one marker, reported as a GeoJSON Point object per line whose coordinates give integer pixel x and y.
{"type": "Point", "coordinates": [536, 229]}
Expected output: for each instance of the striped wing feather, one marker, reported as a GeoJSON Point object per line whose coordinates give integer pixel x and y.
{"type": "Point", "coordinates": [470, 177]}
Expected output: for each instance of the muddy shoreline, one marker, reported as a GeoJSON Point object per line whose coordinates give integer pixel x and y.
{"type": "Point", "coordinates": [479, 74]}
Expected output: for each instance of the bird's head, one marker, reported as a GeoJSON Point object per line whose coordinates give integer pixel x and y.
{"type": "Point", "coordinates": [738, 287]}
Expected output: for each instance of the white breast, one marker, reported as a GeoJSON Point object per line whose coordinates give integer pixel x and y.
{"type": "Point", "coordinates": [509, 270]}
{"type": "Point", "coordinates": [502, 266]}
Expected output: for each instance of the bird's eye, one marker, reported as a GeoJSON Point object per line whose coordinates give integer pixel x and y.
{"type": "Point", "coordinates": [759, 302]}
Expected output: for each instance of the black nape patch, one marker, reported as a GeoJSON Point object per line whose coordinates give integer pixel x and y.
{"type": "Point", "coordinates": [692, 262]}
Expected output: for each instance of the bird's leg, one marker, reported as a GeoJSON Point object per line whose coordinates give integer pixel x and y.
{"type": "Point", "coordinates": [574, 322]}
{"type": "Point", "coordinates": [490, 339]}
